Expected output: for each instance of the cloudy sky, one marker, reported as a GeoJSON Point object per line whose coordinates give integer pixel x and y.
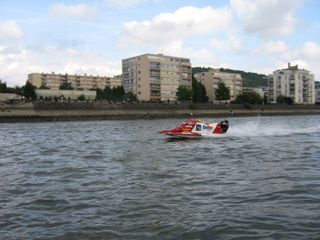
{"type": "Point", "coordinates": [74, 36]}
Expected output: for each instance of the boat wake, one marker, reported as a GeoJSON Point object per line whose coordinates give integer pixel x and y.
{"type": "Point", "coordinates": [256, 128]}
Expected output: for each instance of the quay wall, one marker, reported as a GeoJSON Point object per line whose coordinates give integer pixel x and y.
{"type": "Point", "coordinates": [74, 111]}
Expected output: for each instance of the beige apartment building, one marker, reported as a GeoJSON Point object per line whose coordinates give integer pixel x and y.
{"type": "Point", "coordinates": [78, 82]}
{"type": "Point", "coordinates": [260, 91]}
{"type": "Point", "coordinates": [155, 76]}
{"type": "Point", "coordinates": [116, 81]}
{"type": "Point", "coordinates": [211, 79]}
{"type": "Point", "coordinates": [298, 84]}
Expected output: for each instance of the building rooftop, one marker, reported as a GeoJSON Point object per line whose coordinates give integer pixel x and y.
{"type": "Point", "coordinates": [157, 55]}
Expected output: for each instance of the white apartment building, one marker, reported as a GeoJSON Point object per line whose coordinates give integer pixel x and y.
{"type": "Point", "coordinates": [211, 79]}
{"type": "Point", "coordinates": [155, 76]}
{"type": "Point", "coordinates": [78, 82]}
{"type": "Point", "coordinates": [298, 84]}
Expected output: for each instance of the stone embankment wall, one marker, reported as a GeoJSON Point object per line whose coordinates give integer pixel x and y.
{"type": "Point", "coordinates": [68, 111]}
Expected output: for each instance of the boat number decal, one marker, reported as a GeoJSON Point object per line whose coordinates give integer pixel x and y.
{"type": "Point", "coordinates": [198, 127]}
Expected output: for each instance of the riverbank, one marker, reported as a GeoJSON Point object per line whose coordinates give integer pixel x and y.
{"type": "Point", "coordinates": [70, 111]}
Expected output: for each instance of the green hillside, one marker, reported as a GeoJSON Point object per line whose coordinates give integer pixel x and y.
{"type": "Point", "coordinates": [251, 79]}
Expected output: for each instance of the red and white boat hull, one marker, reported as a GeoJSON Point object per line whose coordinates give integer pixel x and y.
{"type": "Point", "coordinates": [194, 129]}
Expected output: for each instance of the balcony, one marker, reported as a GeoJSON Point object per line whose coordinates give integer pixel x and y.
{"type": "Point", "coordinates": [155, 93]}
{"type": "Point", "coordinates": [155, 86]}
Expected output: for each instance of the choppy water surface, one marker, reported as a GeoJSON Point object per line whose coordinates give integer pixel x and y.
{"type": "Point", "coordinates": [123, 180]}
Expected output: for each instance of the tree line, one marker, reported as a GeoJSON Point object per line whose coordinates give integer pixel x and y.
{"type": "Point", "coordinates": [27, 90]}
{"type": "Point", "coordinates": [115, 94]}
{"type": "Point", "coordinates": [197, 94]}
{"type": "Point", "coordinates": [250, 79]}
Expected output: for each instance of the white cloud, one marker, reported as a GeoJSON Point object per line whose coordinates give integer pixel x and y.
{"type": "Point", "coordinates": [169, 27]}
{"type": "Point", "coordinates": [266, 17]}
{"type": "Point", "coordinates": [272, 47]}
{"type": "Point", "coordinates": [311, 50]}
{"type": "Point", "coordinates": [17, 64]}
{"type": "Point", "coordinates": [218, 44]}
{"type": "Point", "coordinates": [277, 55]}
{"type": "Point", "coordinates": [229, 43]}
{"type": "Point", "coordinates": [235, 43]}
{"type": "Point", "coordinates": [124, 3]}
{"type": "Point", "coordinates": [10, 30]}
{"type": "Point", "coordinates": [80, 11]}
{"type": "Point", "coordinates": [201, 57]}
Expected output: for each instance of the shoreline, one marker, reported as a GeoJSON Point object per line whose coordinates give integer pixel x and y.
{"type": "Point", "coordinates": [96, 111]}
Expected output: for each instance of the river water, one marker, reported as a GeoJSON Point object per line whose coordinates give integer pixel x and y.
{"type": "Point", "coordinates": [123, 180]}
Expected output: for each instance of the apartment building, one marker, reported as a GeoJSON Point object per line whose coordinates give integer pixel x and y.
{"type": "Point", "coordinates": [260, 91]}
{"type": "Point", "coordinates": [116, 81]}
{"type": "Point", "coordinates": [155, 76]}
{"type": "Point", "coordinates": [78, 82]}
{"type": "Point", "coordinates": [298, 84]}
{"type": "Point", "coordinates": [211, 79]}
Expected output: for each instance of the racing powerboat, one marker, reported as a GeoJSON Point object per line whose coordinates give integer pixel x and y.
{"type": "Point", "coordinates": [192, 128]}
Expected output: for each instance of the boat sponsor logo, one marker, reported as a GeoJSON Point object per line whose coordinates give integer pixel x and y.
{"type": "Point", "coordinates": [207, 128]}
{"type": "Point", "coordinates": [198, 127]}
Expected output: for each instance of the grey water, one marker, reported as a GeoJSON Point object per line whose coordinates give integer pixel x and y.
{"type": "Point", "coordinates": [123, 180]}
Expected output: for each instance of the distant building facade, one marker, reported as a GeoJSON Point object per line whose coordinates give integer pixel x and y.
{"type": "Point", "coordinates": [317, 92]}
{"type": "Point", "coordinates": [260, 91]}
{"type": "Point", "coordinates": [78, 82]}
{"type": "Point", "coordinates": [298, 84]}
{"type": "Point", "coordinates": [115, 81]}
{"type": "Point", "coordinates": [4, 97]}
{"type": "Point", "coordinates": [211, 79]}
{"type": "Point", "coordinates": [155, 76]}
{"type": "Point", "coordinates": [66, 94]}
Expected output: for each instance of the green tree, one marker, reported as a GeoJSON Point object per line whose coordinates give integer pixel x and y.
{"type": "Point", "coordinates": [112, 94]}
{"type": "Point", "coordinates": [18, 90]}
{"type": "Point", "coordinates": [222, 92]}
{"type": "Point", "coordinates": [199, 93]}
{"type": "Point", "coordinates": [108, 93]}
{"type": "Point", "coordinates": [284, 100]}
{"type": "Point", "coordinates": [129, 97]}
{"type": "Point", "coordinates": [118, 93]}
{"type": "Point", "coordinates": [100, 94]}
{"type": "Point", "coordinates": [29, 91]}
{"type": "Point", "coordinates": [249, 98]}
{"type": "Point", "coordinates": [184, 93]}
{"type": "Point", "coordinates": [250, 79]}
{"type": "Point", "coordinates": [3, 87]}
{"type": "Point", "coordinates": [82, 98]}
{"type": "Point", "coordinates": [66, 86]}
